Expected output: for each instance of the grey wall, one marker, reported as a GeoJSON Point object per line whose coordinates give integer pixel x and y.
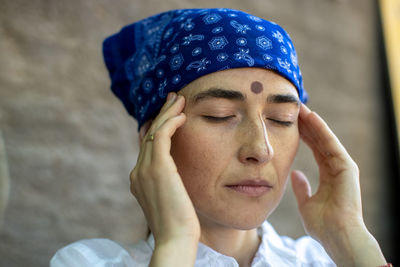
{"type": "Point", "coordinates": [71, 145]}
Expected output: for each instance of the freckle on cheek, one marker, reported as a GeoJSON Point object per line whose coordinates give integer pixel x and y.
{"type": "Point", "coordinates": [256, 87]}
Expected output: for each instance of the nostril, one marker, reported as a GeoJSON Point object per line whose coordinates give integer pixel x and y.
{"type": "Point", "coordinates": [254, 153]}
{"type": "Point", "coordinates": [252, 159]}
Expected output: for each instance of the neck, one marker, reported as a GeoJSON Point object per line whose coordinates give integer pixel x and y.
{"type": "Point", "coordinates": [242, 245]}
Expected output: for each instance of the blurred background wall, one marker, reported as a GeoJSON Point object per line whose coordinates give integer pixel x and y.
{"type": "Point", "coordinates": [71, 145]}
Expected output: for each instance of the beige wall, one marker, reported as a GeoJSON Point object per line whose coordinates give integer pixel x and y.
{"type": "Point", "coordinates": [71, 145]}
{"type": "Point", "coordinates": [4, 180]}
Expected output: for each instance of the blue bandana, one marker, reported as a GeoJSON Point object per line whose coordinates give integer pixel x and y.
{"type": "Point", "coordinates": [163, 53]}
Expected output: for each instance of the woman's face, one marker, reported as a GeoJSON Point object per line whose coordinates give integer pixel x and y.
{"type": "Point", "coordinates": [235, 150]}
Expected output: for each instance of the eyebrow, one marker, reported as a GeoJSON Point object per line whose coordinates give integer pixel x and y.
{"type": "Point", "coordinates": [283, 98]}
{"type": "Point", "coordinates": [236, 95]}
{"type": "Point", "coordinates": [218, 93]}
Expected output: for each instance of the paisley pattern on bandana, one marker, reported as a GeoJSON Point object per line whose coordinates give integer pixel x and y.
{"type": "Point", "coordinates": [165, 52]}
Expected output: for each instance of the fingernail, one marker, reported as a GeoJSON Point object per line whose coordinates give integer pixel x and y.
{"type": "Point", "coordinates": [169, 96]}
{"type": "Point", "coordinates": [172, 97]}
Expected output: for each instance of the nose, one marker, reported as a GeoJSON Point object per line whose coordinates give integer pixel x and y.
{"type": "Point", "coordinates": [256, 147]}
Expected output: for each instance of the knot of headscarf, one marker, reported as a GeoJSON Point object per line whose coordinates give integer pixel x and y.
{"type": "Point", "coordinates": [163, 53]}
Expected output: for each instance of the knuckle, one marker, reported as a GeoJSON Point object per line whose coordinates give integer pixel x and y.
{"type": "Point", "coordinates": [160, 134]}
{"type": "Point", "coordinates": [133, 174]}
{"type": "Point", "coordinates": [133, 189]}
{"type": "Point", "coordinates": [133, 179]}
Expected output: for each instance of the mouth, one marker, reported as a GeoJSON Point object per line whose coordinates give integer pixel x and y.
{"type": "Point", "coordinates": [252, 188]}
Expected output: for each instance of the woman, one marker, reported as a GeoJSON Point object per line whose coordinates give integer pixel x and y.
{"type": "Point", "coordinates": [218, 96]}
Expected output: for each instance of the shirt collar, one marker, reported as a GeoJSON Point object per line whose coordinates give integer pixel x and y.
{"type": "Point", "coordinates": [207, 256]}
{"type": "Point", "coordinates": [271, 247]}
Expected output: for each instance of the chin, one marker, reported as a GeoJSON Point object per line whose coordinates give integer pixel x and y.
{"type": "Point", "coordinates": [240, 221]}
{"type": "Point", "coordinates": [240, 225]}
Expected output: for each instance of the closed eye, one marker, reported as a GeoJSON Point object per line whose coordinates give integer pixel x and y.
{"type": "Point", "coordinates": [283, 123]}
{"type": "Point", "coordinates": [218, 119]}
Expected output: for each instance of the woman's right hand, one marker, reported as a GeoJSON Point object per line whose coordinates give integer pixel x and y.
{"type": "Point", "coordinates": [158, 187]}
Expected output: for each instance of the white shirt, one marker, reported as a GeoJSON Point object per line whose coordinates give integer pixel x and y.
{"type": "Point", "coordinates": [274, 250]}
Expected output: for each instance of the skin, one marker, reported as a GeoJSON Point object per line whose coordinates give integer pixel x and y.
{"type": "Point", "coordinates": [237, 148]}
{"type": "Point", "coordinates": [186, 198]}
{"type": "Point", "coordinates": [247, 144]}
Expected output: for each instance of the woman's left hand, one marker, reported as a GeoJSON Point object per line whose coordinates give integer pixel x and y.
{"type": "Point", "coordinates": [333, 215]}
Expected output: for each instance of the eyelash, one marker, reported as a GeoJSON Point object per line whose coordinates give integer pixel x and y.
{"type": "Point", "coordinates": [222, 119]}
{"type": "Point", "coordinates": [218, 119]}
{"type": "Point", "coordinates": [283, 123]}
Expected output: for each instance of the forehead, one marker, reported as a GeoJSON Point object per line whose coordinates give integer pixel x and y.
{"type": "Point", "coordinates": [241, 79]}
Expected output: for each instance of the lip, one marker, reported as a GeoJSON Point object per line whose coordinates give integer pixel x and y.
{"type": "Point", "coordinates": [251, 187]}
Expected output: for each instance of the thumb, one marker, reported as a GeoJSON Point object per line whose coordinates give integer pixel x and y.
{"type": "Point", "coordinates": [301, 187]}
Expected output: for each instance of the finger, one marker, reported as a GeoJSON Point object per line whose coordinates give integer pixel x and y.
{"type": "Point", "coordinates": [304, 110]}
{"type": "Point", "coordinates": [173, 108]}
{"type": "Point", "coordinates": [159, 147]}
{"type": "Point", "coordinates": [162, 139]}
{"type": "Point", "coordinates": [330, 154]}
{"type": "Point", "coordinates": [171, 98]}
{"type": "Point", "coordinates": [317, 154]}
{"type": "Point", "coordinates": [318, 134]}
{"type": "Point", "coordinates": [301, 187]}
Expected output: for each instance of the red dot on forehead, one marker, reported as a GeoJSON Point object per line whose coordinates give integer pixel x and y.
{"type": "Point", "coordinates": [256, 87]}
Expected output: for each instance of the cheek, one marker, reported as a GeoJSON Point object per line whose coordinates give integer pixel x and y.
{"type": "Point", "coordinates": [286, 146]}
{"type": "Point", "coordinates": [197, 157]}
